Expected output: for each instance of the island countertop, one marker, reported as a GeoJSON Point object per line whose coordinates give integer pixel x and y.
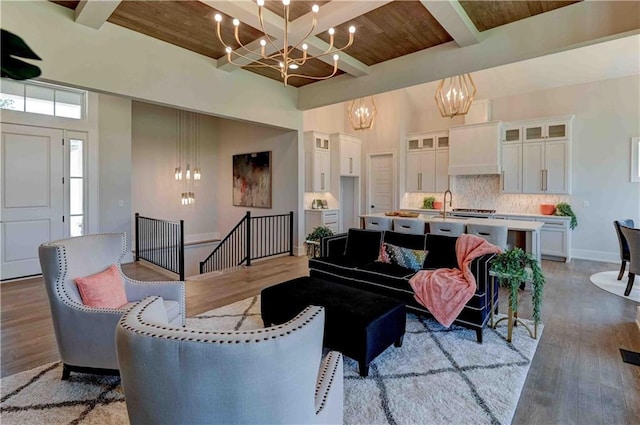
{"type": "Point", "coordinates": [516, 225]}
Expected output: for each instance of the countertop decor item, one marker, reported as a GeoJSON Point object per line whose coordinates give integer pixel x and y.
{"type": "Point", "coordinates": [547, 209]}
{"type": "Point", "coordinates": [408, 214]}
{"type": "Point", "coordinates": [437, 205]}
{"type": "Point", "coordinates": [563, 208]}
{"type": "Point", "coordinates": [391, 213]}
{"type": "Point", "coordinates": [427, 203]}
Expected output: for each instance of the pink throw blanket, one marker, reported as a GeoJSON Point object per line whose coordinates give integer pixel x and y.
{"type": "Point", "coordinates": [446, 291]}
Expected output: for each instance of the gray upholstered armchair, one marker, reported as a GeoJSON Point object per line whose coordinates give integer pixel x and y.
{"type": "Point", "coordinates": [86, 335]}
{"type": "Point", "coordinates": [272, 375]}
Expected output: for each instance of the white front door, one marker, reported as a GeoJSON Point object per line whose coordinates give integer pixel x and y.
{"type": "Point", "coordinates": [32, 200]}
{"type": "Point", "coordinates": [380, 183]}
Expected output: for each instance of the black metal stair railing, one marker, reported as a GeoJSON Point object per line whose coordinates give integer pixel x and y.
{"type": "Point", "coordinates": [161, 242]}
{"type": "Point", "coordinates": [252, 238]}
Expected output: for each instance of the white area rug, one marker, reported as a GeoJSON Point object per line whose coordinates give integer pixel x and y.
{"type": "Point", "coordinates": [438, 376]}
{"type": "Point", "coordinates": [609, 282]}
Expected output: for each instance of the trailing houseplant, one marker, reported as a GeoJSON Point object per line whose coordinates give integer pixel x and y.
{"type": "Point", "coordinates": [511, 269]}
{"type": "Point", "coordinates": [563, 208]}
{"type": "Point", "coordinates": [319, 233]}
{"type": "Point", "coordinates": [427, 202]}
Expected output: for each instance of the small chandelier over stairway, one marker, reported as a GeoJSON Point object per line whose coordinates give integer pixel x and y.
{"type": "Point", "coordinates": [278, 54]}
{"type": "Point", "coordinates": [455, 95]}
{"type": "Point", "coordinates": [187, 154]}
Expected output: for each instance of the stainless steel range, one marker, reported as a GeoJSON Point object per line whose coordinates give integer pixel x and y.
{"type": "Point", "coordinates": [472, 212]}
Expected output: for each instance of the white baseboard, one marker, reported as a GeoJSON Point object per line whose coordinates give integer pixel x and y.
{"type": "Point", "coordinates": [300, 250]}
{"type": "Point", "coordinates": [600, 256]}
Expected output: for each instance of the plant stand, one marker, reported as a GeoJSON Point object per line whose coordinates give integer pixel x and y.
{"type": "Point", "coordinates": [312, 248]}
{"type": "Point", "coordinates": [512, 316]}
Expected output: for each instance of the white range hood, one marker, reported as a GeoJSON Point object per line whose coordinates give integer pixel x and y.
{"type": "Point", "coordinates": [475, 149]}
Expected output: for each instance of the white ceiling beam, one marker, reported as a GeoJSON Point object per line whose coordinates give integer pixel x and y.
{"type": "Point", "coordinates": [454, 20]}
{"type": "Point", "coordinates": [94, 13]}
{"type": "Point", "coordinates": [331, 14]}
{"type": "Point", "coordinates": [580, 24]}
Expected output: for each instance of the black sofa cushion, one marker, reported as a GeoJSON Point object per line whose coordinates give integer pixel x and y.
{"type": "Point", "coordinates": [363, 246]}
{"type": "Point", "coordinates": [442, 252]}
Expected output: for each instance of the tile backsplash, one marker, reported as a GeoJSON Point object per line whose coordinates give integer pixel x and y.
{"type": "Point", "coordinates": [484, 192]}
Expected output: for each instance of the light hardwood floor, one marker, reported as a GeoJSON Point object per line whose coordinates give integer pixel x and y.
{"type": "Point", "coordinates": [577, 375]}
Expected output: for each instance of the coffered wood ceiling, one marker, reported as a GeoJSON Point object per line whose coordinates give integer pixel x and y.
{"type": "Point", "coordinates": [386, 30]}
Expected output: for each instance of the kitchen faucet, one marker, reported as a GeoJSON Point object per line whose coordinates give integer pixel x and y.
{"type": "Point", "coordinates": [444, 203]}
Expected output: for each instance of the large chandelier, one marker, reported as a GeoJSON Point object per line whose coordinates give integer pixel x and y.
{"type": "Point", "coordinates": [454, 95]}
{"type": "Point", "coordinates": [282, 58]}
{"type": "Point", "coordinates": [362, 113]}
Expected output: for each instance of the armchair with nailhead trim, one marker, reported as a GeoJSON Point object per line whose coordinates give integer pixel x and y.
{"type": "Point", "coordinates": [273, 375]}
{"type": "Point", "coordinates": [86, 335]}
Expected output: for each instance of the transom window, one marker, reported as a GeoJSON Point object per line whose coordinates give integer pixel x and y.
{"type": "Point", "coordinates": [40, 98]}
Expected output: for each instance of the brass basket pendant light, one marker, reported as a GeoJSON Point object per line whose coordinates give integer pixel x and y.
{"type": "Point", "coordinates": [362, 113]}
{"type": "Point", "coordinates": [455, 95]}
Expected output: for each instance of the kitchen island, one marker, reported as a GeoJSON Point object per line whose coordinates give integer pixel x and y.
{"type": "Point", "coordinates": [521, 233]}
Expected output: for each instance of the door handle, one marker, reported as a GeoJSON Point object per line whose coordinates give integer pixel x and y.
{"type": "Point", "coordinates": [419, 181]}
{"type": "Point", "coordinates": [373, 206]}
{"type": "Point", "coordinates": [350, 165]}
{"type": "Point", "coordinates": [542, 180]}
{"type": "Point", "coordinates": [322, 181]}
{"type": "Point", "coordinates": [503, 181]}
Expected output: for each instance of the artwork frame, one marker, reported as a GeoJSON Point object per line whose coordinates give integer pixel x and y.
{"type": "Point", "coordinates": [252, 180]}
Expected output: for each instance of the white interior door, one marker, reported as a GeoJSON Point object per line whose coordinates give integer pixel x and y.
{"type": "Point", "coordinates": [32, 200]}
{"type": "Point", "coordinates": [380, 183]}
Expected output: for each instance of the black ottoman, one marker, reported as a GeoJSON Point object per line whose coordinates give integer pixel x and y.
{"type": "Point", "coordinates": [358, 323]}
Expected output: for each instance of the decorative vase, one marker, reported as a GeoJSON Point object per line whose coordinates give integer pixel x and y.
{"type": "Point", "coordinates": [547, 209]}
{"type": "Point", "coordinates": [437, 205]}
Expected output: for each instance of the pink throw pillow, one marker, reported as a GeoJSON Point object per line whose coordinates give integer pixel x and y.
{"type": "Point", "coordinates": [102, 290]}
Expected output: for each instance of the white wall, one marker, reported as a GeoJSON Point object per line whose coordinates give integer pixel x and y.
{"type": "Point", "coordinates": [607, 116]}
{"type": "Point", "coordinates": [114, 126]}
{"type": "Point", "coordinates": [237, 138]}
{"type": "Point", "coordinates": [155, 192]}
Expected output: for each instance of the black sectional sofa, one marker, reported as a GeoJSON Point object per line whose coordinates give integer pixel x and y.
{"type": "Point", "coordinates": [350, 259]}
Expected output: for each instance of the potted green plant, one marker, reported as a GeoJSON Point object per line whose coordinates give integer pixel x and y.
{"type": "Point", "coordinates": [427, 202]}
{"type": "Point", "coordinates": [312, 241]}
{"type": "Point", "coordinates": [563, 208]}
{"type": "Point", "coordinates": [514, 266]}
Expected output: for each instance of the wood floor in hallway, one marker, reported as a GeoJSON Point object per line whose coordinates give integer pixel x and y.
{"type": "Point", "coordinates": [577, 375]}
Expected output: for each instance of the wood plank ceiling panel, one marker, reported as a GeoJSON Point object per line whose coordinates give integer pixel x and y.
{"type": "Point", "coordinates": [490, 14]}
{"type": "Point", "coordinates": [187, 24]}
{"type": "Point", "coordinates": [393, 30]}
{"type": "Point", "coordinates": [296, 8]}
{"type": "Point", "coordinates": [71, 4]}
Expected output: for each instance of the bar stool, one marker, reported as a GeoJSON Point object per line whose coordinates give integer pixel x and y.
{"type": "Point", "coordinates": [496, 235]}
{"type": "Point", "coordinates": [408, 225]}
{"type": "Point", "coordinates": [447, 228]}
{"type": "Point", "coordinates": [377, 223]}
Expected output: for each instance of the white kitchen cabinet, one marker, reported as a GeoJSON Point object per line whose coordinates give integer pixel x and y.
{"type": "Point", "coordinates": [317, 162]}
{"type": "Point", "coordinates": [475, 149]}
{"type": "Point", "coordinates": [545, 152]}
{"type": "Point", "coordinates": [547, 130]}
{"type": "Point", "coordinates": [350, 153]}
{"type": "Point", "coordinates": [511, 133]}
{"type": "Point", "coordinates": [427, 162]}
{"type": "Point", "coordinates": [545, 167]}
{"type": "Point", "coordinates": [317, 218]}
{"type": "Point", "coordinates": [555, 238]}
{"type": "Point", "coordinates": [555, 234]}
{"type": "Point", "coordinates": [511, 178]}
